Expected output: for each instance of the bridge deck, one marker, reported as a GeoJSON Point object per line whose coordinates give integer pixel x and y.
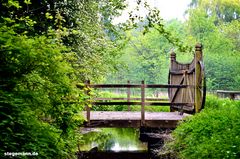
{"type": "Point", "coordinates": [133, 119]}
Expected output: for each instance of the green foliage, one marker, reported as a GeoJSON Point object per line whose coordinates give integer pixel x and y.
{"type": "Point", "coordinates": [223, 10]}
{"type": "Point", "coordinates": [38, 99]}
{"type": "Point", "coordinates": [23, 132]}
{"type": "Point", "coordinates": [146, 57]}
{"type": "Point", "coordinates": [153, 20]}
{"type": "Point", "coordinates": [216, 24]}
{"type": "Point", "coordinates": [98, 138]}
{"type": "Point", "coordinates": [213, 133]}
{"type": "Point", "coordinates": [46, 48]}
{"type": "Point", "coordinates": [83, 26]}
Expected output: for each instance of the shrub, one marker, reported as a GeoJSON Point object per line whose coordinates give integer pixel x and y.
{"type": "Point", "coordinates": [213, 133]}
{"type": "Point", "coordinates": [38, 107]}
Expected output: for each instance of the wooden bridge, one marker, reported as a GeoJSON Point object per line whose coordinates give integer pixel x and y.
{"type": "Point", "coordinates": [233, 95]}
{"type": "Point", "coordinates": [186, 91]}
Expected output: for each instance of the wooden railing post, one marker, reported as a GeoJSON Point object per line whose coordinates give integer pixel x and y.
{"type": "Point", "coordinates": [170, 80]}
{"type": "Point", "coordinates": [142, 104]}
{"type": "Point", "coordinates": [87, 92]}
{"type": "Point", "coordinates": [128, 95]}
{"type": "Point", "coordinates": [173, 61]}
{"type": "Point", "coordinates": [197, 96]}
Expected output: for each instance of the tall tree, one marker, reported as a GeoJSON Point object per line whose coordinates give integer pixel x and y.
{"type": "Point", "coordinates": [46, 47]}
{"type": "Point", "coordinates": [216, 24]}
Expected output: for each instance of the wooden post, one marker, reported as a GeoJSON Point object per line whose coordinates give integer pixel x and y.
{"type": "Point", "coordinates": [87, 92]}
{"type": "Point", "coordinates": [172, 68]}
{"type": "Point", "coordinates": [173, 59]}
{"type": "Point", "coordinates": [198, 96]}
{"type": "Point", "coordinates": [142, 104]}
{"type": "Point", "coordinates": [128, 96]}
{"type": "Point", "coordinates": [183, 91]}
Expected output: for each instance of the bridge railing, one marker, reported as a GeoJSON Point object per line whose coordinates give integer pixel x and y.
{"type": "Point", "coordinates": [143, 100]}
{"type": "Point", "coordinates": [233, 95]}
{"type": "Point", "coordinates": [186, 88]}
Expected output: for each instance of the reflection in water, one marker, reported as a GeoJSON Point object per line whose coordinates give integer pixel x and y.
{"type": "Point", "coordinates": [117, 147]}
{"type": "Point", "coordinates": [114, 139]}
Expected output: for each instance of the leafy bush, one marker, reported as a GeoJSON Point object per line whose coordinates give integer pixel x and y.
{"type": "Point", "coordinates": [45, 49]}
{"type": "Point", "coordinates": [213, 133]}
{"type": "Point", "coordinates": [37, 97]}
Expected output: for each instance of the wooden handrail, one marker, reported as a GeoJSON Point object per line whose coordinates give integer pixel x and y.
{"type": "Point", "coordinates": [232, 94]}
{"type": "Point", "coordinates": [130, 101]}
{"type": "Point", "coordinates": [136, 86]}
{"type": "Point", "coordinates": [223, 91]}
{"type": "Point", "coordinates": [145, 103]}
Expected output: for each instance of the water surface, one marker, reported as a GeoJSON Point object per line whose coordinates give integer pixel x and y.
{"type": "Point", "coordinates": [113, 139]}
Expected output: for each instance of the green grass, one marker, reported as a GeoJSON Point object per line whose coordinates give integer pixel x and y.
{"type": "Point", "coordinates": [212, 133]}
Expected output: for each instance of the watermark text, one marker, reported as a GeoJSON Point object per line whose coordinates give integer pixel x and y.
{"type": "Point", "coordinates": [20, 154]}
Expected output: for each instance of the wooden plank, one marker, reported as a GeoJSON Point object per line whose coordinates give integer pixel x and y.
{"type": "Point", "coordinates": [176, 92]}
{"type": "Point", "coordinates": [116, 103]}
{"type": "Point", "coordinates": [133, 119]}
{"type": "Point", "coordinates": [131, 124]}
{"type": "Point", "coordinates": [181, 72]}
{"type": "Point", "coordinates": [187, 108]}
{"type": "Point", "coordinates": [227, 92]}
{"type": "Point", "coordinates": [165, 86]}
{"type": "Point", "coordinates": [115, 85]}
{"type": "Point", "coordinates": [134, 115]}
{"type": "Point", "coordinates": [231, 94]}
{"type": "Point", "coordinates": [167, 104]}
{"type": "Point", "coordinates": [136, 86]}
{"type": "Point", "coordinates": [140, 103]}
{"type": "Point", "coordinates": [146, 99]}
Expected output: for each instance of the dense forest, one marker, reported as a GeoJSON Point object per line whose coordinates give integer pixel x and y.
{"type": "Point", "coordinates": [48, 47]}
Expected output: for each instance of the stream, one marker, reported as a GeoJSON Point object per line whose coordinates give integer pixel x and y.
{"type": "Point", "coordinates": [112, 139]}
{"type": "Point", "coordinates": [119, 143]}
{"type": "Point", "coordinates": [112, 143]}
